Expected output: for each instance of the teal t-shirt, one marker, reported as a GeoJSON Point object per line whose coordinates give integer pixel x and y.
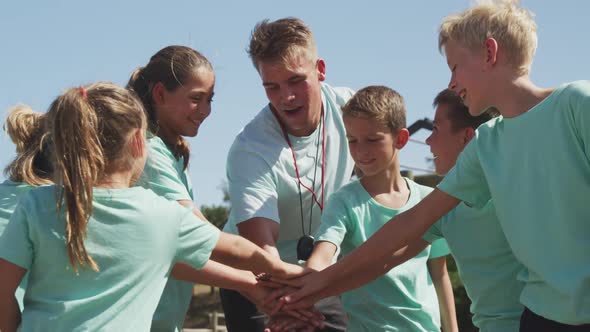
{"type": "Point", "coordinates": [133, 235]}
{"type": "Point", "coordinates": [261, 174]}
{"type": "Point", "coordinates": [536, 169]}
{"type": "Point", "coordinates": [404, 299]}
{"type": "Point", "coordinates": [486, 265]}
{"type": "Point", "coordinates": [10, 193]}
{"type": "Point", "coordinates": [165, 175]}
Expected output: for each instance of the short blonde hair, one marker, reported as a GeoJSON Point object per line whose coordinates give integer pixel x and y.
{"type": "Point", "coordinates": [509, 24]}
{"type": "Point", "coordinates": [281, 41]}
{"type": "Point", "coordinates": [379, 103]}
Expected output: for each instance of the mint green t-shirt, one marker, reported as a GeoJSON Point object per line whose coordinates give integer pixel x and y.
{"type": "Point", "coordinates": [133, 235]}
{"type": "Point", "coordinates": [165, 175]}
{"type": "Point", "coordinates": [261, 175]}
{"type": "Point", "coordinates": [486, 265]}
{"type": "Point", "coordinates": [404, 299]}
{"type": "Point", "coordinates": [536, 169]}
{"type": "Point", "coordinates": [10, 193]}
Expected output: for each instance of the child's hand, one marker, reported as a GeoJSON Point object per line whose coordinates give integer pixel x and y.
{"type": "Point", "coordinates": [310, 290]}
{"type": "Point", "coordinates": [259, 295]}
{"type": "Point", "coordinates": [291, 271]}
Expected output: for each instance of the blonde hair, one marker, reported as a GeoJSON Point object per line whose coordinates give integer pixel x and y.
{"type": "Point", "coordinates": [91, 130]}
{"type": "Point", "coordinates": [511, 26]}
{"type": "Point", "coordinates": [27, 131]}
{"type": "Point", "coordinates": [280, 41]}
{"type": "Point", "coordinates": [172, 66]}
{"type": "Point", "coordinates": [380, 103]}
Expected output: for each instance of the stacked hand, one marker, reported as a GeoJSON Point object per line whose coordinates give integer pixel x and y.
{"type": "Point", "coordinates": [292, 302]}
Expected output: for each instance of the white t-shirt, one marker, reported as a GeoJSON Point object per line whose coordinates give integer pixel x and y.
{"type": "Point", "coordinates": [261, 173]}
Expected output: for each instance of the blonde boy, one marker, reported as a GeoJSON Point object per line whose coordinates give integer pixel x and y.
{"type": "Point", "coordinates": [533, 161]}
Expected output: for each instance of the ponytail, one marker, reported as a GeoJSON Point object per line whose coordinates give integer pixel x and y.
{"type": "Point", "coordinates": [79, 161]}
{"type": "Point", "coordinates": [27, 131]}
{"type": "Point", "coordinates": [90, 128]}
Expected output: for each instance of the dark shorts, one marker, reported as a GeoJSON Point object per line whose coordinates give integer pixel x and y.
{"type": "Point", "coordinates": [238, 312]}
{"type": "Point", "coordinates": [531, 322]}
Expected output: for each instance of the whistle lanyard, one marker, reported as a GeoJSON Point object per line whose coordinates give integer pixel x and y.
{"type": "Point", "coordinates": [300, 184]}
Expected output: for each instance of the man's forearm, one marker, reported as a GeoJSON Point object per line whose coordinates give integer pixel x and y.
{"type": "Point", "coordinates": [9, 314]}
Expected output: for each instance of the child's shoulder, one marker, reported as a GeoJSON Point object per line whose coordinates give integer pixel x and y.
{"type": "Point", "coordinates": [572, 91]}
{"type": "Point", "coordinates": [157, 146]}
{"type": "Point", "coordinates": [419, 189]}
{"type": "Point", "coordinates": [348, 191]}
{"type": "Point", "coordinates": [578, 87]}
{"type": "Point", "coordinates": [43, 192]}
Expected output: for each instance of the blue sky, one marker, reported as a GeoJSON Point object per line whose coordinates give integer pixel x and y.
{"type": "Point", "coordinates": [48, 46]}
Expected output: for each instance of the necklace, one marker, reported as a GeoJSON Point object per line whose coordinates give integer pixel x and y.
{"type": "Point", "coordinates": [306, 242]}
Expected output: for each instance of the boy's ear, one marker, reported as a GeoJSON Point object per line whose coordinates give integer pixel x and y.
{"type": "Point", "coordinates": [321, 68]}
{"type": "Point", "coordinates": [403, 135]}
{"type": "Point", "coordinates": [137, 144]}
{"type": "Point", "coordinates": [491, 50]}
{"type": "Point", "coordinates": [468, 134]}
{"type": "Point", "coordinates": [158, 93]}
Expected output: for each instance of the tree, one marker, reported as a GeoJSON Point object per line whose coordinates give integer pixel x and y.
{"type": "Point", "coordinates": [218, 214]}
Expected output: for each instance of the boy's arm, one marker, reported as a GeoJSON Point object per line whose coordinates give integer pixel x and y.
{"type": "Point", "coordinates": [343, 285]}
{"type": "Point", "coordinates": [437, 267]}
{"type": "Point", "coordinates": [10, 277]}
{"type": "Point", "coordinates": [395, 234]}
{"type": "Point", "coordinates": [322, 255]}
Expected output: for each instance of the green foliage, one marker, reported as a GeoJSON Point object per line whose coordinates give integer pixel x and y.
{"type": "Point", "coordinates": [462, 301]}
{"type": "Point", "coordinates": [216, 214]}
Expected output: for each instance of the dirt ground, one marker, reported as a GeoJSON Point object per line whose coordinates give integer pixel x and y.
{"type": "Point", "coordinates": [203, 303]}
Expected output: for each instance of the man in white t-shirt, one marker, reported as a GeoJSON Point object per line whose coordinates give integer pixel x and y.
{"type": "Point", "coordinates": [286, 162]}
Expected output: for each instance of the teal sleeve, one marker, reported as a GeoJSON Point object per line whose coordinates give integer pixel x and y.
{"type": "Point", "coordinates": [433, 233]}
{"type": "Point", "coordinates": [334, 223]}
{"type": "Point", "coordinates": [439, 248]}
{"type": "Point", "coordinates": [466, 180]}
{"type": "Point", "coordinates": [580, 104]}
{"type": "Point", "coordinates": [15, 243]}
{"type": "Point", "coordinates": [252, 189]}
{"type": "Point", "coordinates": [196, 240]}
{"type": "Point", "coordinates": [162, 176]}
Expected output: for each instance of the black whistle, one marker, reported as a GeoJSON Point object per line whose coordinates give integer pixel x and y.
{"type": "Point", "coordinates": [305, 247]}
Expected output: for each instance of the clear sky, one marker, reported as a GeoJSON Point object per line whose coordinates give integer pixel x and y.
{"type": "Point", "coordinates": [48, 46]}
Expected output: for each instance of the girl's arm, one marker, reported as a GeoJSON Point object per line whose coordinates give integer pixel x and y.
{"type": "Point", "coordinates": [240, 253]}
{"type": "Point", "coordinates": [444, 291]}
{"type": "Point", "coordinates": [215, 274]}
{"type": "Point", "coordinates": [10, 277]}
{"type": "Point", "coordinates": [223, 276]}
